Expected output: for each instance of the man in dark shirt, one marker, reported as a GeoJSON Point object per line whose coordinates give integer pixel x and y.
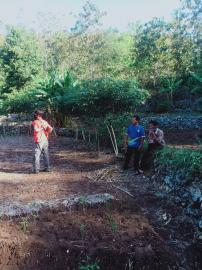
{"type": "Point", "coordinates": [134, 139]}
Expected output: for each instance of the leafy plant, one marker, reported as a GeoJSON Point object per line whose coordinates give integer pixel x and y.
{"type": "Point", "coordinates": [83, 202]}
{"type": "Point", "coordinates": [103, 96]}
{"type": "Point", "coordinates": [170, 85]}
{"type": "Point", "coordinates": [197, 89]}
{"type": "Point", "coordinates": [174, 160]}
{"type": "Point", "coordinates": [24, 223]}
{"type": "Point", "coordinates": [89, 265]}
{"type": "Point", "coordinates": [82, 230]}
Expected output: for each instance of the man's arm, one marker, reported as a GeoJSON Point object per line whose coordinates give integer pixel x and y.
{"type": "Point", "coordinates": [46, 127]}
{"type": "Point", "coordinates": [49, 129]}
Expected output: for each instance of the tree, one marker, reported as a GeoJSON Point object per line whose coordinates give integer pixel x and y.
{"type": "Point", "coordinates": [2, 75]}
{"type": "Point", "coordinates": [87, 42]}
{"type": "Point", "coordinates": [88, 19]}
{"type": "Point", "coordinates": [151, 55]}
{"type": "Point", "coordinates": [21, 59]}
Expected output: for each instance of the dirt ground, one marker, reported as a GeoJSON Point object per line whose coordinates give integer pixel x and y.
{"type": "Point", "coordinates": [135, 230]}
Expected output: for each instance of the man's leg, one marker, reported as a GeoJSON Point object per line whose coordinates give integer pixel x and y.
{"type": "Point", "coordinates": [128, 155]}
{"type": "Point", "coordinates": [146, 158]}
{"type": "Point", "coordinates": [37, 154]}
{"type": "Point", "coordinates": [136, 159]}
{"type": "Point", "coordinates": [46, 156]}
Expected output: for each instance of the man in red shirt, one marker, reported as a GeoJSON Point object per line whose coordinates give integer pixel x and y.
{"type": "Point", "coordinates": [42, 131]}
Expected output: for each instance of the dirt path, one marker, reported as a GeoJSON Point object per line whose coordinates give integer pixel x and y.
{"type": "Point", "coordinates": [142, 231]}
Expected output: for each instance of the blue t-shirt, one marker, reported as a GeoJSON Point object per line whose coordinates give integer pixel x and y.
{"type": "Point", "coordinates": [135, 133]}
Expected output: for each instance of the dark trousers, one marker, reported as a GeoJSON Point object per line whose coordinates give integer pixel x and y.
{"type": "Point", "coordinates": [136, 160]}
{"type": "Point", "coordinates": [148, 155]}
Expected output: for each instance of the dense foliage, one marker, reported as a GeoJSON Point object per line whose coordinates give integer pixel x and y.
{"type": "Point", "coordinates": [108, 71]}
{"type": "Point", "coordinates": [183, 164]}
{"type": "Point", "coordinates": [21, 60]}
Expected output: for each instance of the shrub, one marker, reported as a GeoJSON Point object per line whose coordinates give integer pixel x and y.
{"type": "Point", "coordinates": [64, 96]}
{"type": "Point", "coordinates": [18, 102]}
{"type": "Point", "coordinates": [103, 96]}
{"type": "Point", "coordinates": [180, 163]}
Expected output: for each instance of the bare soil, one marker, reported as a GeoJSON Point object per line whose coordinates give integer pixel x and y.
{"type": "Point", "coordinates": [141, 231]}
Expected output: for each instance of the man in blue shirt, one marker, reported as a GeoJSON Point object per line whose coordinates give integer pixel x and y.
{"type": "Point", "coordinates": [134, 139]}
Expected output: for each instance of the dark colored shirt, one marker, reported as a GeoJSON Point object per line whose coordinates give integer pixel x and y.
{"type": "Point", "coordinates": [135, 133]}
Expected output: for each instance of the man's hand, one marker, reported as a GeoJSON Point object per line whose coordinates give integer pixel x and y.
{"type": "Point", "coordinates": [43, 125]}
{"type": "Point", "coordinates": [141, 144]}
{"type": "Point", "coordinates": [154, 137]}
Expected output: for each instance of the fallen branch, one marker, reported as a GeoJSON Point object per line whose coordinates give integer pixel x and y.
{"type": "Point", "coordinates": [123, 190]}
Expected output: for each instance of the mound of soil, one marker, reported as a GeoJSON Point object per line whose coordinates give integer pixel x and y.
{"type": "Point", "coordinates": [111, 235]}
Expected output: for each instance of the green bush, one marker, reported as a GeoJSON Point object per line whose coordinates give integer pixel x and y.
{"type": "Point", "coordinates": [103, 96]}
{"type": "Point", "coordinates": [64, 96]}
{"type": "Point", "coordinates": [19, 102]}
{"type": "Point", "coordinates": [118, 122]}
{"type": "Point", "coordinates": [187, 162]}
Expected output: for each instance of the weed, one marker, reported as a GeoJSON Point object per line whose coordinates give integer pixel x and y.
{"type": "Point", "coordinates": [34, 216]}
{"type": "Point", "coordinates": [113, 224]}
{"type": "Point", "coordinates": [89, 266]}
{"type": "Point", "coordinates": [83, 202]}
{"type": "Point", "coordinates": [24, 223]}
{"type": "Point", "coordinates": [82, 230]}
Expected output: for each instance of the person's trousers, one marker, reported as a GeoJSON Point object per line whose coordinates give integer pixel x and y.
{"type": "Point", "coordinates": [41, 149]}
{"type": "Point", "coordinates": [136, 158]}
{"type": "Point", "coordinates": [148, 155]}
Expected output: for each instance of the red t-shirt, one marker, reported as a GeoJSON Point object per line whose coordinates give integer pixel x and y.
{"type": "Point", "coordinates": [41, 130]}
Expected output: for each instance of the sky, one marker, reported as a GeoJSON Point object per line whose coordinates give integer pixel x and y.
{"type": "Point", "coordinates": [62, 12]}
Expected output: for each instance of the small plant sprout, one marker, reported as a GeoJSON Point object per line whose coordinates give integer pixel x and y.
{"type": "Point", "coordinates": [34, 216]}
{"type": "Point", "coordinates": [113, 224]}
{"type": "Point", "coordinates": [89, 265]}
{"type": "Point", "coordinates": [82, 230]}
{"type": "Point", "coordinates": [83, 202]}
{"type": "Point", "coordinates": [24, 223]}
